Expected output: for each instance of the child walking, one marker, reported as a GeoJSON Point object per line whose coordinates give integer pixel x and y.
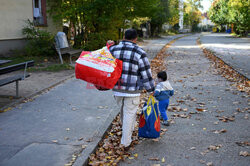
{"type": "Point", "coordinates": [162, 93]}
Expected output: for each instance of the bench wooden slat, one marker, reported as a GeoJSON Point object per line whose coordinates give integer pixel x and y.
{"type": "Point", "coordinates": [15, 67]}
{"type": "Point", "coordinates": [12, 79]}
{"type": "Point", "coordinates": [70, 51]}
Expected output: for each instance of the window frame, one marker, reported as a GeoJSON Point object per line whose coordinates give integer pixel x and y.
{"type": "Point", "coordinates": [42, 9]}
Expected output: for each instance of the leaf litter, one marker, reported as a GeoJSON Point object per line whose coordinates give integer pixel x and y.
{"type": "Point", "coordinates": [240, 82]}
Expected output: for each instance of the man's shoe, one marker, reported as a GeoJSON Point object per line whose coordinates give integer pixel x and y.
{"type": "Point", "coordinates": [126, 148]}
{"type": "Point", "coordinates": [165, 123]}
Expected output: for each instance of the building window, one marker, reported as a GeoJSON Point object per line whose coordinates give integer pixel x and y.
{"type": "Point", "coordinates": [39, 12]}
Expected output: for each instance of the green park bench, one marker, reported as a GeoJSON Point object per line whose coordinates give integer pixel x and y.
{"type": "Point", "coordinates": [63, 48]}
{"type": "Point", "coordinates": [16, 77]}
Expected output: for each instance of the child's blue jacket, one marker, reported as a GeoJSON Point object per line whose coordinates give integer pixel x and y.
{"type": "Point", "coordinates": [163, 91]}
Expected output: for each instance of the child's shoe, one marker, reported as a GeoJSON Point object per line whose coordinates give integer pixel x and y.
{"type": "Point", "coordinates": [165, 123]}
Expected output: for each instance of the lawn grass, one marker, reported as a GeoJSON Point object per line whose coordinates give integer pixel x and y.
{"type": "Point", "coordinates": [52, 68]}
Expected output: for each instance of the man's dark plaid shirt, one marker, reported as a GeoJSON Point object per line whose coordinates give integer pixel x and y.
{"type": "Point", "coordinates": [136, 72]}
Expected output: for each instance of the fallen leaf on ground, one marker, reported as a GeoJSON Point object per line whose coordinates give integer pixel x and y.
{"type": "Point", "coordinates": [219, 111]}
{"type": "Point", "coordinates": [216, 122]}
{"type": "Point", "coordinates": [180, 101]}
{"type": "Point", "coordinates": [79, 139]}
{"type": "Point", "coordinates": [219, 131]}
{"type": "Point", "coordinates": [246, 116]}
{"type": "Point", "coordinates": [154, 159]}
{"type": "Point", "coordinates": [226, 119]}
{"type": "Point", "coordinates": [135, 155]}
{"type": "Point", "coordinates": [214, 147]}
{"type": "Point", "coordinates": [90, 140]}
{"type": "Point", "coordinates": [185, 109]}
{"type": "Point", "coordinates": [205, 152]}
{"type": "Point", "coordinates": [164, 130]}
{"type": "Point", "coordinates": [246, 143]}
{"type": "Point", "coordinates": [209, 164]}
{"type": "Point", "coordinates": [200, 109]}
{"type": "Point", "coordinates": [155, 140]}
{"type": "Point", "coordinates": [244, 153]}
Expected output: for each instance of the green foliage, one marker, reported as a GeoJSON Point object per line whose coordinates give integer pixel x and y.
{"type": "Point", "coordinates": [40, 42]}
{"type": "Point", "coordinates": [192, 14]}
{"type": "Point", "coordinates": [218, 13]}
{"type": "Point", "coordinates": [234, 12]}
{"type": "Point", "coordinates": [239, 15]}
{"type": "Point", "coordinates": [159, 17]}
{"type": "Point", "coordinates": [95, 21]}
{"type": "Point", "coordinates": [173, 12]}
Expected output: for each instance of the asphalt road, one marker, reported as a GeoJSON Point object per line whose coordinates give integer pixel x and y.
{"type": "Point", "coordinates": [198, 138]}
{"type": "Point", "coordinates": [233, 51]}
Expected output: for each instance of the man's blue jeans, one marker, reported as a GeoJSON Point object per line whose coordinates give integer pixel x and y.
{"type": "Point", "coordinates": [163, 106]}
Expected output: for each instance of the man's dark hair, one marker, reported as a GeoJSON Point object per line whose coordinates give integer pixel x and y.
{"type": "Point", "coordinates": [130, 34]}
{"type": "Point", "coordinates": [163, 75]}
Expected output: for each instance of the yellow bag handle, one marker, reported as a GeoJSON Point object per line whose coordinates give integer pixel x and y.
{"type": "Point", "coordinates": [151, 98]}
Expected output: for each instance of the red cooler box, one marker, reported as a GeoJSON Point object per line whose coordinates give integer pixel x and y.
{"type": "Point", "coordinates": [99, 68]}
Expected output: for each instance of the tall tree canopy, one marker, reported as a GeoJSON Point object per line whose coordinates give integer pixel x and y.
{"type": "Point", "coordinates": [231, 12]}
{"type": "Point", "coordinates": [96, 21]}
{"type": "Point", "coordinates": [192, 13]}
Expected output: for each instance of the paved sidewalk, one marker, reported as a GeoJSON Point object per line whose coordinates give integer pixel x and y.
{"type": "Point", "coordinates": [37, 82]}
{"type": "Point", "coordinates": [233, 51]}
{"type": "Point", "coordinates": [152, 47]}
{"type": "Point", "coordinates": [53, 127]}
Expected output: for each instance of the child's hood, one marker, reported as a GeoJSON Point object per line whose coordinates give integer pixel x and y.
{"type": "Point", "coordinates": [166, 85]}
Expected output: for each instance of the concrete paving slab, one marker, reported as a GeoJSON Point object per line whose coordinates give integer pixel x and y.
{"type": "Point", "coordinates": [38, 154]}
{"type": "Point", "coordinates": [71, 114]}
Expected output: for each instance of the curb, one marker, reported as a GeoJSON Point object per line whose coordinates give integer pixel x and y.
{"type": "Point", "coordinates": [216, 55]}
{"type": "Point", "coordinates": [100, 133]}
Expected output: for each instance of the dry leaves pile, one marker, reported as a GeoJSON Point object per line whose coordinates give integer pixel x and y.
{"type": "Point", "coordinates": [109, 151]}
{"type": "Point", "coordinates": [241, 82]}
